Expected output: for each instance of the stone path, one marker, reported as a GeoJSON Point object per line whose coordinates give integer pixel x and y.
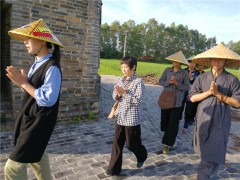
{"type": "Point", "coordinates": [82, 151]}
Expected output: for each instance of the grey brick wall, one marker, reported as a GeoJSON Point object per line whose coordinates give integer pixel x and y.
{"type": "Point", "coordinates": [77, 25]}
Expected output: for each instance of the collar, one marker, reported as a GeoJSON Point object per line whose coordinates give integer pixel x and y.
{"type": "Point", "coordinates": [176, 71]}
{"type": "Point", "coordinates": [38, 60]}
{"type": "Point", "coordinates": [124, 80]}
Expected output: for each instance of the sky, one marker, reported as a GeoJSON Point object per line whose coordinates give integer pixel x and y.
{"type": "Point", "coordinates": [213, 18]}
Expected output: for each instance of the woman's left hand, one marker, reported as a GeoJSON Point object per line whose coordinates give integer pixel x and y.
{"type": "Point", "coordinates": [18, 78]}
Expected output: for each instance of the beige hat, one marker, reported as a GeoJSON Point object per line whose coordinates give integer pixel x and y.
{"type": "Point", "coordinates": [219, 51]}
{"type": "Point", "coordinates": [190, 58]}
{"type": "Point", "coordinates": [37, 30]}
{"type": "Point", "coordinates": [178, 57]}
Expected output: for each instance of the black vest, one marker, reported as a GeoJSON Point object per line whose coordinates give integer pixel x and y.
{"type": "Point", "coordinates": [34, 124]}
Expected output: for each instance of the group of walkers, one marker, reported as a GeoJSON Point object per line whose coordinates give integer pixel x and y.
{"type": "Point", "coordinates": [208, 99]}
{"type": "Point", "coordinates": [212, 93]}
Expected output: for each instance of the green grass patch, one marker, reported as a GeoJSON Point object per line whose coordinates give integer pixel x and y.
{"type": "Point", "coordinates": [112, 67]}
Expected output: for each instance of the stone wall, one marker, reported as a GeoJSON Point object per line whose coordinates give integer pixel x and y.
{"type": "Point", "coordinates": [77, 25]}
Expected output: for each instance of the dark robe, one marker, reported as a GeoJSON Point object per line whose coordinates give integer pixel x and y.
{"type": "Point", "coordinates": [213, 118]}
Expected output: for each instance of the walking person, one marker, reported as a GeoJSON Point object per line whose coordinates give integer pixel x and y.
{"type": "Point", "coordinates": [190, 107]}
{"type": "Point", "coordinates": [38, 113]}
{"type": "Point", "coordinates": [173, 78]}
{"type": "Point", "coordinates": [129, 91]}
{"type": "Point", "coordinates": [216, 91]}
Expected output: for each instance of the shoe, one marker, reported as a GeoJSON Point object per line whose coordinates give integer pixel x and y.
{"type": "Point", "coordinates": [140, 164]}
{"type": "Point", "coordinates": [185, 131]}
{"type": "Point", "coordinates": [108, 174]}
{"type": "Point", "coordinates": [165, 149]}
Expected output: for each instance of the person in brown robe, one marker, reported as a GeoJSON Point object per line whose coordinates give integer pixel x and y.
{"type": "Point", "coordinates": [216, 91]}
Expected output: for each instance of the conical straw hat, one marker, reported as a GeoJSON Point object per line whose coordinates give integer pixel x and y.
{"type": "Point", "coordinates": [190, 58]}
{"type": "Point", "coordinates": [37, 30]}
{"type": "Point", "coordinates": [219, 51]}
{"type": "Point", "coordinates": [178, 57]}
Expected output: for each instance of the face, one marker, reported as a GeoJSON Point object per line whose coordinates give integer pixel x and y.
{"type": "Point", "coordinates": [176, 64]}
{"type": "Point", "coordinates": [192, 65]}
{"type": "Point", "coordinates": [33, 45]}
{"type": "Point", "coordinates": [126, 70]}
{"type": "Point", "coordinates": [217, 63]}
{"type": "Point", "coordinates": [200, 67]}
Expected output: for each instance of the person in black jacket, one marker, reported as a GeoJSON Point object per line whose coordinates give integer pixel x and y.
{"type": "Point", "coordinates": [38, 114]}
{"type": "Point", "coordinates": [190, 107]}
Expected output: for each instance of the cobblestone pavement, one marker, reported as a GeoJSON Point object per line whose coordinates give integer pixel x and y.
{"type": "Point", "coordinates": [82, 151]}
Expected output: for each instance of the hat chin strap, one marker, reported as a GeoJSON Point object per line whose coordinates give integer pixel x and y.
{"type": "Point", "coordinates": [38, 51]}
{"type": "Point", "coordinates": [216, 72]}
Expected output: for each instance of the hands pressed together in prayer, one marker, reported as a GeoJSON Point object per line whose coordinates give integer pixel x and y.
{"type": "Point", "coordinates": [214, 89]}
{"type": "Point", "coordinates": [173, 81]}
{"type": "Point", "coordinates": [120, 90]}
{"type": "Point", "coordinates": [18, 78]}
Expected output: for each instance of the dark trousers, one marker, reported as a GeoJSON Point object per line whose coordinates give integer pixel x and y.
{"type": "Point", "coordinates": [190, 112]}
{"type": "Point", "coordinates": [132, 136]}
{"type": "Point", "coordinates": [183, 104]}
{"type": "Point", "coordinates": [169, 124]}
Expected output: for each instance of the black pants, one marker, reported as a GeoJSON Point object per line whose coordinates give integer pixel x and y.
{"type": "Point", "coordinates": [190, 112]}
{"type": "Point", "coordinates": [183, 104]}
{"type": "Point", "coordinates": [132, 136]}
{"type": "Point", "coordinates": [169, 124]}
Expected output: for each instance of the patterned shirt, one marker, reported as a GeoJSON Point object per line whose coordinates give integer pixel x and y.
{"type": "Point", "coordinates": [128, 111]}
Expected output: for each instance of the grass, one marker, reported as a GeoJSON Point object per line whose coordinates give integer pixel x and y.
{"type": "Point", "coordinates": [112, 67]}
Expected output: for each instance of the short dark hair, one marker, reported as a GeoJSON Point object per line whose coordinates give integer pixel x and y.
{"type": "Point", "coordinates": [130, 61]}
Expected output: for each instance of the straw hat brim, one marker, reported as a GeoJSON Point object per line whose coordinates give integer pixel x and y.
{"type": "Point", "coordinates": [178, 57]}
{"type": "Point", "coordinates": [218, 52]}
{"type": "Point", "coordinates": [22, 37]}
{"type": "Point", "coordinates": [36, 30]}
{"type": "Point", "coordinates": [185, 63]}
{"type": "Point", "coordinates": [207, 62]}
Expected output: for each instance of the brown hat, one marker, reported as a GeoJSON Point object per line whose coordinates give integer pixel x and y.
{"type": "Point", "coordinates": [178, 57]}
{"type": "Point", "coordinates": [221, 52]}
{"type": "Point", "coordinates": [37, 30]}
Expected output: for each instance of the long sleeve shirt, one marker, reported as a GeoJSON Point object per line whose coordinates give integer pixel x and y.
{"type": "Point", "coordinates": [46, 95]}
{"type": "Point", "coordinates": [183, 83]}
{"type": "Point", "coordinates": [128, 111]}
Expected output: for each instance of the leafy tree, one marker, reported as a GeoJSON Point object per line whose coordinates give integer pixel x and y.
{"type": "Point", "coordinates": [153, 39]}
{"type": "Point", "coordinates": [234, 46]}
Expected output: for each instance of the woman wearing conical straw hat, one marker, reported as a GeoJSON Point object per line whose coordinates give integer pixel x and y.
{"type": "Point", "coordinates": [176, 79]}
{"type": "Point", "coordinates": [215, 91]}
{"type": "Point", "coordinates": [38, 114]}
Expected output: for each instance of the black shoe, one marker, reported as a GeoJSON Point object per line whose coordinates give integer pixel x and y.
{"type": "Point", "coordinates": [140, 164]}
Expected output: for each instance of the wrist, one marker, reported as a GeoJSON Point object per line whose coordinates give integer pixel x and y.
{"type": "Point", "coordinates": [222, 97]}
{"type": "Point", "coordinates": [23, 86]}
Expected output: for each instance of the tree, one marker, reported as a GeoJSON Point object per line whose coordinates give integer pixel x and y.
{"type": "Point", "coordinates": [153, 39]}
{"type": "Point", "coordinates": [234, 46]}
